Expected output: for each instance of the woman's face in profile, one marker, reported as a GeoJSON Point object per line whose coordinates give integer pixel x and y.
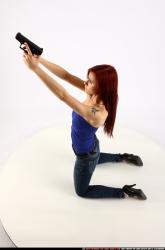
{"type": "Point", "coordinates": [90, 84]}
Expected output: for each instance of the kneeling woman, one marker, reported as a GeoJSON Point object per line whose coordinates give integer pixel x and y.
{"type": "Point", "coordinates": [98, 109]}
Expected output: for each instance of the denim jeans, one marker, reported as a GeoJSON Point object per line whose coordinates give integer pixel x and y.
{"type": "Point", "coordinates": [83, 169]}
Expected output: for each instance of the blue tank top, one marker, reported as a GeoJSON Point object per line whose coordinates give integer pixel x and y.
{"type": "Point", "coordinates": [82, 134]}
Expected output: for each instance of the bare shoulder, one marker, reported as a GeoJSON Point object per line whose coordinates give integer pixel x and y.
{"type": "Point", "coordinates": [98, 115]}
{"type": "Point", "coordinates": [93, 114]}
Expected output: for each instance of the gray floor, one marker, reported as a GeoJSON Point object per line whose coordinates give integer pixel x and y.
{"type": "Point", "coordinates": [4, 239]}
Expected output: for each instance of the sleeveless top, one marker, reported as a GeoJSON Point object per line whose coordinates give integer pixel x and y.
{"type": "Point", "coordinates": [82, 134]}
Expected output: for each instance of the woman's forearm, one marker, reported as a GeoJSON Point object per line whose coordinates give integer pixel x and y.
{"type": "Point", "coordinates": [54, 68]}
{"type": "Point", "coordinates": [52, 84]}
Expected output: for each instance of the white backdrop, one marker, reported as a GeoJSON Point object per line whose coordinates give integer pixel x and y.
{"type": "Point", "coordinates": [78, 34]}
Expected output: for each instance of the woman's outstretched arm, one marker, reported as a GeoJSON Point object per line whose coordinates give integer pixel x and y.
{"type": "Point", "coordinates": [63, 74]}
{"type": "Point", "coordinates": [52, 84]}
{"type": "Point", "coordinates": [54, 68]}
{"type": "Point", "coordinates": [32, 61]}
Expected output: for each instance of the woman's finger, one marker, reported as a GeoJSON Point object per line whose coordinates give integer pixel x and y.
{"type": "Point", "coordinates": [25, 55]}
{"type": "Point", "coordinates": [28, 49]}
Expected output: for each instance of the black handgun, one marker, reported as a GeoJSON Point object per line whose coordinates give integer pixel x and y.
{"type": "Point", "coordinates": [33, 47]}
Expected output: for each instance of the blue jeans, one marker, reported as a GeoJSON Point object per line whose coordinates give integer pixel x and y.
{"type": "Point", "coordinates": [84, 167]}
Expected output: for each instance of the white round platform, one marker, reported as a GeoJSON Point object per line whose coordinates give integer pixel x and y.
{"type": "Point", "coordinates": [39, 206]}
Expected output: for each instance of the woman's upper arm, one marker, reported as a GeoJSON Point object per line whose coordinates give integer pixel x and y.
{"type": "Point", "coordinates": [75, 81]}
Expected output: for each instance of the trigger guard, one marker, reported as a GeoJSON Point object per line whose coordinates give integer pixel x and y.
{"type": "Point", "coordinates": [23, 49]}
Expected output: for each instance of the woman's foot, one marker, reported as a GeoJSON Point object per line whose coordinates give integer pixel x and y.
{"type": "Point", "coordinates": [133, 192]}
{"type": "Point", "coordinates": [134, 159]}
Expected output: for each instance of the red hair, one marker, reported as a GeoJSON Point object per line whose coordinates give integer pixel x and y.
{"type": "Point", "coordinates": [107, 91]}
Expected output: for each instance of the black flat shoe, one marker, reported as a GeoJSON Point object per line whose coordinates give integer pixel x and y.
{"type": "Point", "coordinates": [133, 192]}
{"type": "Point", "coordinates": [130, 158]}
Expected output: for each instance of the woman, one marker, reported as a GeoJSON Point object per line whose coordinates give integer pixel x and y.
{"type": "Point", "coordinates": [99, 109]}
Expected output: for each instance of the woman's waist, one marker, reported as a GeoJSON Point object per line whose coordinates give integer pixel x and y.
{"type": "Point", "coordinates": [91, 151]}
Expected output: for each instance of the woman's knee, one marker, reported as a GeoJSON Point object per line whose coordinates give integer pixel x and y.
{"type": "Point", "coordinates": [80, 192]}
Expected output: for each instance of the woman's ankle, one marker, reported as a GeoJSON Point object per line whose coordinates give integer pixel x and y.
{"type": "Point", "coordinates": [126, 195]}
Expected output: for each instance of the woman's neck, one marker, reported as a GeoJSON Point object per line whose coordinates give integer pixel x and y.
{"type": "Point", "coordinates": [93, 100]}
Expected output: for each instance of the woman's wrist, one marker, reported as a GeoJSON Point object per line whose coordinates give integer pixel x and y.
{"type": "Point", "coordinates": [35, 70]}
{"type": "Point", "coordinates": [41, 59]}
